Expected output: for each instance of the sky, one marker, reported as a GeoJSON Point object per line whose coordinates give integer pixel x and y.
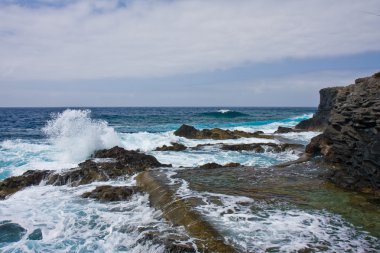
{"type": "Point", "coordinates": [183, 52]}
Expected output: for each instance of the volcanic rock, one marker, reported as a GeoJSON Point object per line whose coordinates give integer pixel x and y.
{"type": "Point", "coordinates": [14, 184]}
{"type": "Point", "coordinates": [11, 232]}
{"type": "Point", "coordinates": [320, 119]}
{"type": "Point", "coordinates": [216, 165]}
{"type": "Point", "coordinates": [124, 163]}
{"type": "Point", "coordinates": [351, 140]}
{"type": "Point", "coordinates": [191, 132]}
{"type": "Point", "coordinates": [285, 130]}
{"type": "Point", "coordinates": [174, 147]}
{"type": "Point", "coordinates": [112, 193]}
{"type": "Point", "coordinates": [262, 147]}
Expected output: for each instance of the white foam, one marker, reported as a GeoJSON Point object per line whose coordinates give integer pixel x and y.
{"type": "Point", "coordinates": [255, 226]}
{"type": "Point", "coordinates": [77, 136]}
{"type": "Point", "coordinates": [70, 223]}
{"type": "Point", "coordinates": [224, 110]}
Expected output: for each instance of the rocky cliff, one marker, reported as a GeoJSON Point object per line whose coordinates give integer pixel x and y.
{"type": "Point", "coordinates": [320, 119]}
{"type": "Point", "coordinates": [351, 137]}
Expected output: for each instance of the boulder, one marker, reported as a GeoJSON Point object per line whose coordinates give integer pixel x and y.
{"type": "Point", "coordinates": [15, 184]}
{"type": "Point", "coordinates": [262, 147]}
{"type": "Point", "coordinates": [111, 193]}
{"type": "Point", "coordinates": [285, 130]}
{"type": "Point", "coordinates": [191, 132]}
{"type": "Point", "coordinates": [35, 235]}
{"type": "Point", "coordinates": [112, 164]}
{"type": "Point", "coordinates": [216, 165]}
{"type": "Point", "coordinates": [174, 147]}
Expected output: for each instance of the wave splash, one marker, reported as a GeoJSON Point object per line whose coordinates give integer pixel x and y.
{"type": "Point", "coordinates": [77, 136]}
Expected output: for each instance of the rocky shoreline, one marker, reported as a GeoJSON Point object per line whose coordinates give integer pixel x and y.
{"type": "Point", "coordinates": [350, 119]}
{"type": "Point", "coordinates": [348, 149]}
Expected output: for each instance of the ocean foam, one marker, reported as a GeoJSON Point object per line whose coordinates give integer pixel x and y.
{"type": "Point", "coordinates": [70, 223]}
{"type": "Point", "coordinates": [77, 136]}
{"type": "Point", "coordinates": [257, 226]}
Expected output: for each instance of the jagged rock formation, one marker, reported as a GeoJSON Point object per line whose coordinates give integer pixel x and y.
{"type": "Point", "coordinates": [125, 162]}
{"type": "Point", "coordinates": [319, 121]}
{"type": "Point", "coordinates": [111, 193]}
{"type": "Point", "coordinates": [174, 147]}
{"type": "Point", "coordinates": [351, 139]}
{"type": "Point", "coordinates": [262, 147]}
{"type": "Point", "coordinates": [191, 132]}
{"type": "Point", "coordinates": [216, 165]}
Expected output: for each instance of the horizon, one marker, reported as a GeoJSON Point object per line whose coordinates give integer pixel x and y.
{"type": "Point", "coordinates": [129, 53]}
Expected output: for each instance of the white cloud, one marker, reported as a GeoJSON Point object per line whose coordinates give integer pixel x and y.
{"type": "Point", "coordinates": [97, 39]}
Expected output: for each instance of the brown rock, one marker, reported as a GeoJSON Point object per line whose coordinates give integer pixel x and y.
{"type": "Point", "coordinates": [191, 132]}
{"type": "Point", "coordinates": [112, 193]}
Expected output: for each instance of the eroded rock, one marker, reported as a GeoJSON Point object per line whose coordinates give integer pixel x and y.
{"type": "Point", "coordinates": [15, 184]}
{"type": "Point", "coordinates": [351, 140]}
{"type": "Point", "coordinates": [191, 132]}
{"type": "Point", "coordinates": [174, 147]}
{"type": "Point", "coordinates": [111, 193]}
{"type": "Point", "coordinates": [216, 165]}
{"type": "Point", "coordinates": [262, 147]}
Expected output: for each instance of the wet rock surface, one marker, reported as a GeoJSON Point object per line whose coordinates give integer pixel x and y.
{"type": "Point", "coordinates": [351, 139]}
{"type": "Point", "coordinates": [262, 147]}
{"type": "Point", "coordinates": [124, 163]}
{"type": "Point", "coordinates": [320, 119]}
{"type": "Point", "coordinates": [35, 235]}
{"type": "Point", "coordinates": [191, 132]}
{"type": "Point", "coordinates": [15, 184]}
{"type": "Point", "coordinates": [173, 147]}
{"type": "Point", "coordinates": [285, 130]}
{"type": "Point", "coordinates": [216, 165]}
{"type": "Point", "coordinates": [111, 193]}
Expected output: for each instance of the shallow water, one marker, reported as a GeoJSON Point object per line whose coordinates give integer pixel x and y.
{"type": "Point", "coordinates": [264, 211]}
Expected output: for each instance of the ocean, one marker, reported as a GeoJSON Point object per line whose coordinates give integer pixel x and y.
{"type": "Point", "coordinates": [60, 138]}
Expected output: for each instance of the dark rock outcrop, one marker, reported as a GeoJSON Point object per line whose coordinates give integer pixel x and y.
{"type": "Point", "coordinates": [111, 193]}
{"type": "Point", "coordinates": [320, 119]}
{"type": "Point", "coordinates": [351, 140]}
{"type": "Point", "coordinates": [191, 132]}
{"type": "Point", "coordinates": [262, 147]}
{"type": "Point", "coordinates": [216, 165]}
{"type": "Point", "coordinates": [123, 163]}
{"type": "Point", "coordinates": [35, 235]}
{"type": "Point", "coordinates": [285, 130]}
{"type": "Point", "coordinates": [174, 147]}
{"type": "Point", "coordinates": [15, 184]}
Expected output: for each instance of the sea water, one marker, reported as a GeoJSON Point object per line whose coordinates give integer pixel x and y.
{"type": "Point", "coordinates": [60, 138]}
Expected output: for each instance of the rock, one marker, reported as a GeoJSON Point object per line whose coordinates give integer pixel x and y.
{"type": "Point", "coordinates": [191, 132]}
{"type": "Point", "coordinates": [216, 165]}
{"type": "Point", "coordinates": [111, 193]}
{"type": "Point", "coordinates": [284, 130]}
{"type": "Point", "coordinates": [35, 235]}
{"type": "Point", "coordinates": [134, 159]}
{"type": "Point", "coordinates": [351, 139]}
{"type": "Point", "coordinates": [320, 119]}
{"type": "Point", "coordinates": [124, 163]}
{"type": "Point", "coordinates": [11, 232]}
{"type": "Point", "coordinates": [262, 147]}
{"type": "Point", "coordinates": [14, 184]}
{"type": "Point", "coordinates": [174, 147]}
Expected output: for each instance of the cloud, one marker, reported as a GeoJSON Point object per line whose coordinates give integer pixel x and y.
{"type": "Point", "coordinates": [104, 39]}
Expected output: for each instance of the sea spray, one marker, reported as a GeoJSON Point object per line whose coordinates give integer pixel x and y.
{"type": "Point", "coordinates": [77, 136]}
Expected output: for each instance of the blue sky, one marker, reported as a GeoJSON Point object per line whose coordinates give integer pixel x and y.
{"type": "Point", "coordinates": [183, 53]}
